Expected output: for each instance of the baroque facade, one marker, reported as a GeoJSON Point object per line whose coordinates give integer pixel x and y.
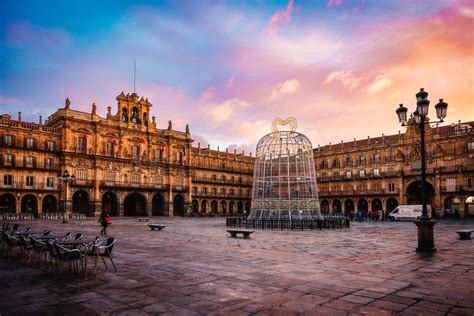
{"type": "Point", "coordinates": [384, 172]}
{"type": "Point", "coordinates": [121, 163]}
{"type": "Point", "coordinates": [124, 164]}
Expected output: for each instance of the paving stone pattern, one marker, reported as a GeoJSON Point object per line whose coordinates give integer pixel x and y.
{"type": "Point", "coordinates": [193, 267]}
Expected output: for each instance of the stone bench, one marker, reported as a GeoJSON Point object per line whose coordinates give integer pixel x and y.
{"type": "Point", "coordinates": [245, 232]}
{"type": "Point", "coordinates": [464, 234]}
{"type": "Point", "coordinates": [142, 219]}
{"type": "Point", "coordinates": [156, 226]}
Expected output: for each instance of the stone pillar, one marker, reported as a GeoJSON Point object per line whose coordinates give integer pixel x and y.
{"type": "Point", "coordinates": [149, 205]}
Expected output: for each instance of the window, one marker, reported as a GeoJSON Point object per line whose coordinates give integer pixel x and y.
{"type": "Point", "coordinates": [375, 186]}
{"type": "Point", "coordinates": [336, 175]}
{"type": "Point", "coordinates": [376, 172]}
{"type": "Point", "coordinates": [48, 163]}
{"type": "Point", "coordinates": [109, 150]}
{"type": "Point", "coordinates": [49, 145]}
{"type": "Point", "coordinates": [450, 185]}
{"type": "Point", "coordinates": [135, 152]}
{"type": "Point", "coordinates": [376, 158]}
{"type": "Point", "coordinates": [8, 140]}
{"type": "Point", "coordinates": [30, 143]}
{"type": "Point", "coordinates": [231, 192]}
{"type": "Point", "coordinates": [222, 191]}
{"type": "Point", "coordinates": [349, 175]}
{"type": "Point", "coordinates": [30, 181]}
{"type": "Point", "coordinates": [204, 190]}
{"type": "Point", "coordinates": [214, 177]}
{"type": "Point", "coordinates": [240, 179]}
{"type": "Point", "coordinates": [323, 176]}
{"type": "Point", "coordinates": [81, 175]}
{"type": "Point", "coordinates": [82, 143]}
{"type": "Point", "coordinates": [8, 179]}
{"type": "Point", "coordinates": [391, 187]}
{"type": "Point", "coordinates": [240, 192]}
{"type": "Point", "coordinates": [49, 182]}
{"type": "Point", "coordinates": [159, 180]}
{"type": "Point", "coordinates": [110, 176]}
{"type": "Point", "coordinates": [124, 115]}
{"type": "Point", "coordinates": [362, 173]}
{"type": "Point", "coordinates": [223, 178]}
{"type": "Point", "coordinates": [195, 190]}
{"type": "Point", "coordinates": [134, 117]}
{"type": "Point", "coordinates": [348, 161]}
{"type": "Point", "coordinates": [136, 179]}
{"type": "Point", "coordinates": [335, 163]}
{"type": "Point", "coordinates": [214, 191]}
{"type": "Point", "coordinates": [8, 159]}
{"type": "Point", "coordinates": [361, 160]}
{"type": "Point", "coordinates": [470, 183]}
{"type": "Point", "coordinates": [470, 146]}
{"type": "Point", "coordinates": [29, 160]}
{"type": "Point", "coordinates": [324, 164]}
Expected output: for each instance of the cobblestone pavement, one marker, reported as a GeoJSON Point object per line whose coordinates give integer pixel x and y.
{"type": "Point", "coordinates": [193, 267]}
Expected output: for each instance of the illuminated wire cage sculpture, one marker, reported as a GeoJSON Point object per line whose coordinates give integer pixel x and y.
{"type": "Point", "coordinates": [284, 181]}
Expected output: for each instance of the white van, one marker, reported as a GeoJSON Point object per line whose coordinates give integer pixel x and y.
{"type": "Point", "coordinates": [408, 212]}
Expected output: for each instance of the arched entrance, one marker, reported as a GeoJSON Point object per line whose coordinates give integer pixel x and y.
{"type": "Point", "coordinates": [195, 206]}
{"type": "Point", "coordinates": [214, 206]}
{"type": "Point", "coordinates": [390, 205]}
{"type": "Point", "coordinates": [50, 204]}
{"type": "Point", "coordinates": [134, 205]}
{"type": "Point", "coordinates": [80, 202]}
{"type": "Point", "coordinates": [231, 207]}
{"type": "Point", "coordinates": [29, 204]}
{"type": "Point", "coordinates": [224, 207]}
{"type": "Point", "coordinates": [248, 206]}
{"type": "Point", "coordinates": [376, 205]}
{"type": "Point", "coordinates": [240, 206]}
{"type": "Point", "coordinates": [348, 206]}
{"type": "Point", "coordinates": [110, 203]}
{"type": "Point", "coordinates": [158, 205]}
{"type": "Point", "coordinates": [336, 206]}
{"type": "Point", "coordinates": [363, 206]}
{"type": "Point", "coordinates": [469, 206]}
{"type": "Point", "coordinates": [204, 206]}
{"type": "Point", "coordinates": [178, 205]}
{"type": "Point", "coordinates": [451, 207]}
{"type": "Point", "coordinates": [325, 206]}
{"type": "Point", "coordinates": [414, 193]}
{"type": "Point", "coordinates": [7, 203]}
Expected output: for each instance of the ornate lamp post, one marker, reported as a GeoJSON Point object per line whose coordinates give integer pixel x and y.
{"type": "Point", "coordinates": [425, 224]}
{"type": "Point", "coordinates": [66, 178]}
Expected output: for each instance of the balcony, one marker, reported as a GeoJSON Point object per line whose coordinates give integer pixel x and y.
{"type": "Point", "coordinates": [82, 183]}
{"type": "Point", "coordinates": [128, 184]}
{"type": "Point", "coordinates": [22, 185]}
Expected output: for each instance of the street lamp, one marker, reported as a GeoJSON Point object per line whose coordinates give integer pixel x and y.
{"type": "Point", "coordinates": [66, 178]}
{"type": "Point", "coordinates": [424, 223]}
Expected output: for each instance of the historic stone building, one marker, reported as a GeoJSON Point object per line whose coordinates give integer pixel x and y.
{"type": "Point", "coordinates": [122, 163]}
{"type": "Point", "coordinates": [383, 172]}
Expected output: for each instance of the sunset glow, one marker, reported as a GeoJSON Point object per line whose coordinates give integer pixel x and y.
{"type": "Point", "coordinates": [229, 68]}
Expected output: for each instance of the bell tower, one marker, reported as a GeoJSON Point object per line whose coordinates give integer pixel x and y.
{"type": "Point", "coordinates": [133, 111]}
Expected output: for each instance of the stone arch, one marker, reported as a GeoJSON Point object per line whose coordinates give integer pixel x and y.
{"type": "Point", "coordinates": [376, 205]}
{"type": "Point", "coordinates": [240, 206]}
{"type": "Point", "coordinates": [391, 204]}
{"type": "Point", "coordinates": [349, 206]}
{"type": "Point", "coordinates": [413, 192]}
{"type": "Point", "coordinates": [214, 206]}
{"type": "Point", "coordinates": [325, 206]}
{"type": "Point", "coordinates": [204, 206]}
{"type": "Point", "coordinates": [178, 205]}
{"type": "Point", "coordinates": [363, 206]}
{"type": "Point", "coordinates": [195, 206]}
{"type": "Point", "coordinates": [158, 205]}
{"type": "Point", "coordinates": [7, 203]}
{"type": "Point", "coordinates": [223, 207]}
{"type": "Point", "coordinates": [49, 204]}
{"type": "Point", "coordinates": [248, 206]}
{"type": "Point", "coordinates": [134, 204]}
{"type": "Point", "coordinates": [231, 207]}
{"type": "Point", "coordinates": [110, 203]}
{"type": "Point", "coordinates": [336, 206]}
{"type": "Point", "coordinates": [469, 206]}
{"type": "Point", "coordinates": [80, 202]}
{"type": "Point", "coordinates": [29, 204]}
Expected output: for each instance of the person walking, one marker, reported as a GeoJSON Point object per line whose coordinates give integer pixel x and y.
{"type": "Point", "coordinates": [104, 220]}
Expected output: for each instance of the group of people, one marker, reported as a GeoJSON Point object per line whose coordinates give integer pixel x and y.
{"type": "Point", "coordinates": [361, 215]}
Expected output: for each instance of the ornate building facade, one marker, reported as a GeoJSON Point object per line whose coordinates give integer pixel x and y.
{"type": "Point", "coordinates": [124, 164]}
{"type": "Point", "coordinates": [121, 163]}
{"type": "Point", "coordinates": [383, 172]}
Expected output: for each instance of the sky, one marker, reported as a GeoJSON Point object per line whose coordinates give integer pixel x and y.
{"type": "Point", "coordinates": [228, 68]}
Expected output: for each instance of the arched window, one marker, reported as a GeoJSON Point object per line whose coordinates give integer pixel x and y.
{"type": "Point", "coordinates": [134, 117]}
{"type": "Point", "coordinates": [145, 118]}
{"type": "Point", "coordinates": [124, 115]}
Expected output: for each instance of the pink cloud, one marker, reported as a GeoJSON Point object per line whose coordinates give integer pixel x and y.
{"type": "Point", "coordinates": [279, 18]}
{"type": "Point", "coordinates": [333, 3]}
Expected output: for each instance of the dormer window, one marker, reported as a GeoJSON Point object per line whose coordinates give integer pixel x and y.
{"type": "Point", "coordinates": [124, 115]}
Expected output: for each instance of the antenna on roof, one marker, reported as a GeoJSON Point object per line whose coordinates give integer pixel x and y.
{"type": "Point", "coordinates": [134, 74]}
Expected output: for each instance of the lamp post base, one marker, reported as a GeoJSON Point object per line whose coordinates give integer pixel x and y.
{"type": "Point", "coordinates": [425, 235]}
